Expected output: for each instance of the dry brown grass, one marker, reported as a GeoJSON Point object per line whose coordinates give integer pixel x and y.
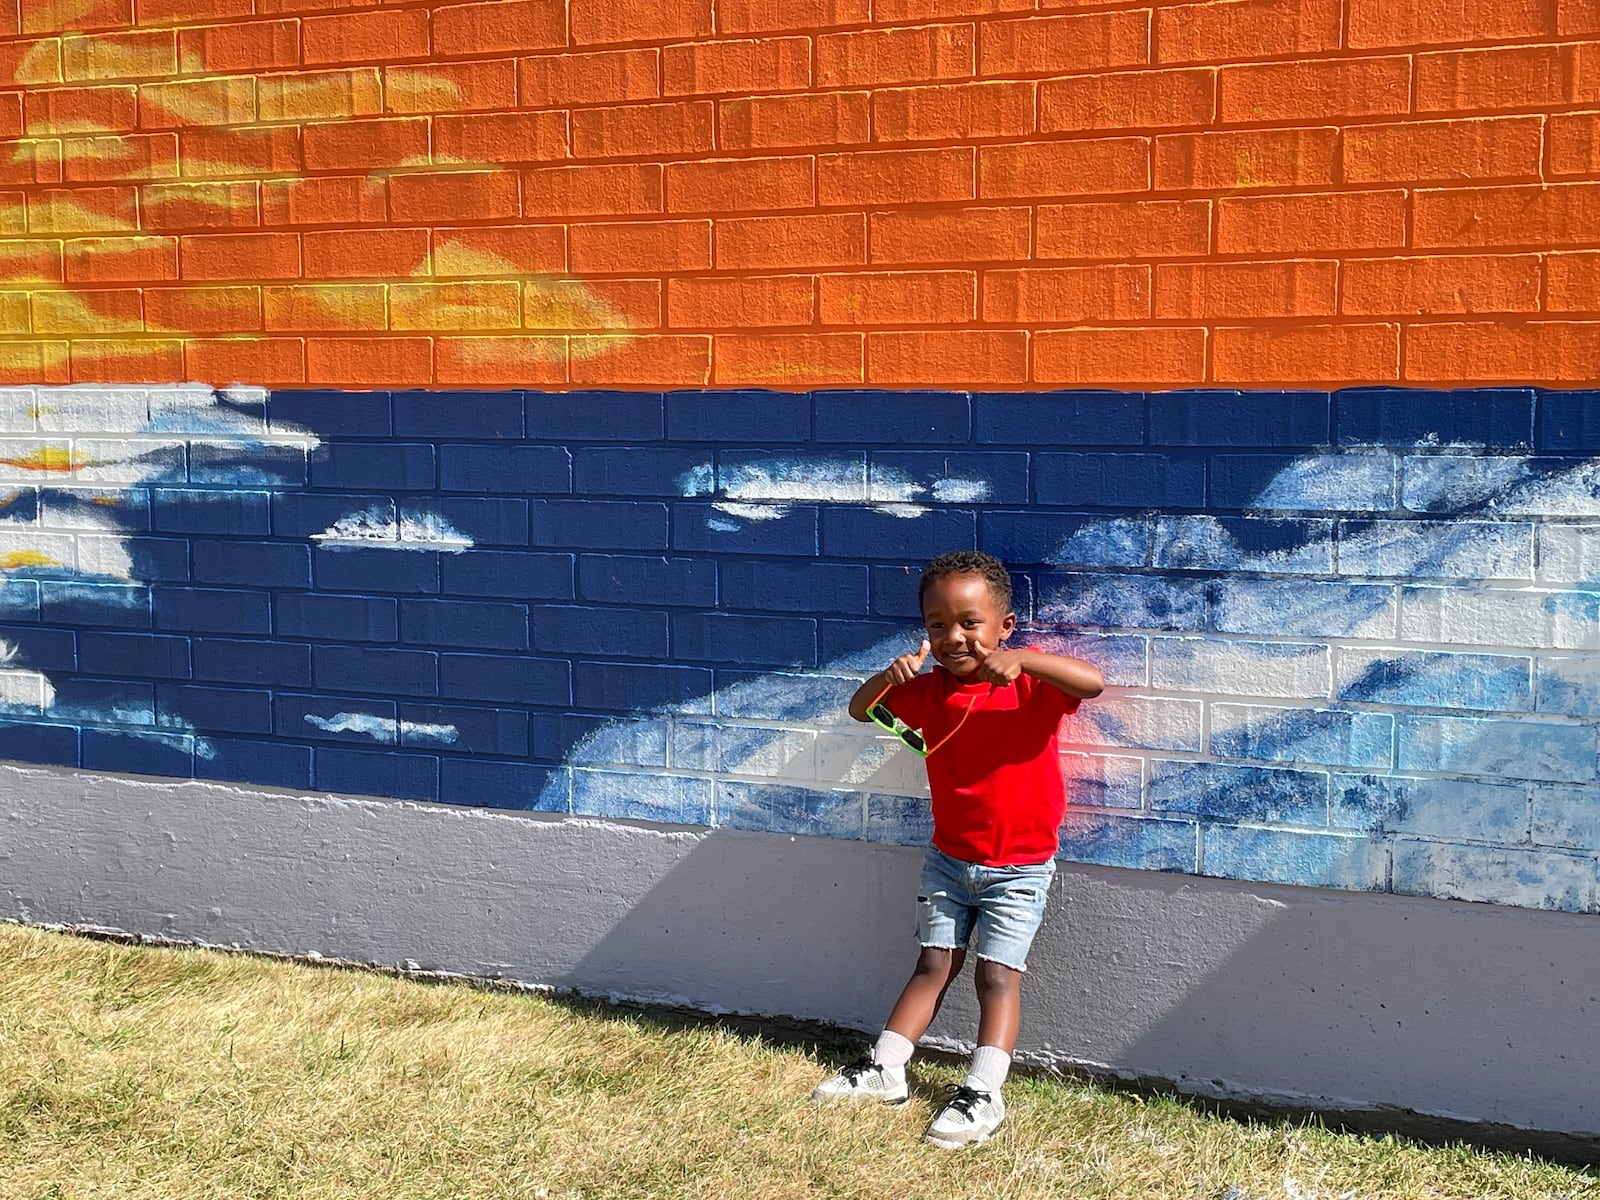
{"type": "Point", "coordinates": [159, 1073]}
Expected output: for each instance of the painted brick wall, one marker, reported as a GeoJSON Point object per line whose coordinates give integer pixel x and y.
{"type": "Point", "coordinates": [956, 193]}
{"type": "Point", "coordinates": [1351, 637]}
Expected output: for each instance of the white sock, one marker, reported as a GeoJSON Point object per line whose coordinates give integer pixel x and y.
{"type": "Point", "coordinates": [892, 1051]}
{"type": "Point", "coordinates": [990, 1066]}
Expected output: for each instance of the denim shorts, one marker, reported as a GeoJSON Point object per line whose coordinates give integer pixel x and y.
{"type": "Point", "coordinates": [1006, 905]}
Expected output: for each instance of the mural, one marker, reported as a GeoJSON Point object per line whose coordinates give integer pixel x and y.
{"type": "Point", "coordinates": [1351, 637]}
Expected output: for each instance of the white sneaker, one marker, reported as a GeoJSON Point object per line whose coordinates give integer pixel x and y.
{"type": "Point", "coordinates": [967, 1119]}
{"type": "Point", "coordinates": [864, 1080]}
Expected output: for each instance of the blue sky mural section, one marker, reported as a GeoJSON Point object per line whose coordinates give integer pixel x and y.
{"type": "Point", "coordinates": [1352, 637]}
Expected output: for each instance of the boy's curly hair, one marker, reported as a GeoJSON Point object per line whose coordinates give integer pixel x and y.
{"type": "Point", "coordinates": [970, 562]}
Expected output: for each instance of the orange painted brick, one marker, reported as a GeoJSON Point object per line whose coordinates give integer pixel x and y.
{"type": "Point", "coordinates": [792, 242]}
{"type": "Point", "coordinates": [120, 55]}
{"type": "Point", "coordinates": [1324, 221]}
{"type": "Point", "coordinates": [180, 206]}
{"type": "Point", "coordinates": [500, 250]}
{"type": "Point", "coordinates": [643, 129]}
{"type": "Point", "coordinates": [162, 12]}
{"type": "Point", "coordinates": [741, 302]}
{"type": "Point", "coordinates": [1500, 78]}
{"type": "Point", "coordinates": [952, 235]}
{"type": "Point", "coordinates": [1573, 282]}
{"type": "Point", "coordinates": [883, 56]}
{"type": "Point", "coordinates": [955, 111]}
{"type": "Point", "coordinates": [597, 305]}
{"type": "Point", "coordinates": [1066, 295]}
{"type": "Point", "coordinates": [371, 144]}
{"type": "Point", "coordinates": [599, 77]}
{"type": "Point", "coordinates": [1128, 100]}
{"type": "Point", "coordinates": [473, 30]}
{"type": "Point", "coordinates": [1224, 30]}
{"type": "Point", "coordinates": [641, 246]}
{"type": "Point", "coordinates": [500, 137]}
{"type": "Point", "coordinates": [319, 95]}
{"type": "Point", "coordinates": [1299, 288]}
{"type": "Point", "coordinates": [79, 110]}
{"type": "Point", "coordinates": [240, 256]}
{"type": "Point", "coordinates": [37, 161]}
{"type": "Point", "coordinates": [895, 176]}
{"type": "Point", "coordinates": [1029, 169]}
{"type": "Point", "coordinates": [325, 200]}
{"type": "Point", "coordinates": [597, 191]}
{"type": "Point", "coordinates": [948, 357]}
{"type": "Point", "coordinates": [763, 16]}
{"type": "Point", "coordinates": [922, 10]}
{"type": "Point", "coordinates": [1442, 284]}
{"type": "Point", "coordinates": [1574, 144]}
{"type": "Point", "coordinates": [821, 119]}
{"type": "Point", "coordinates": [122, 156]}
{"type": "Point", "coordinates": [28, 62]}
{"type": "Point", "coordinates": [84, 310]}
{"type": "Point", "coordinates": [203, 309]}
{"type": "Point", "coordinates": [454, 196]}
{"type": "Point", "coordinates": [788, 359]}
{"type": "Point", "coordinates": [1300, 354]}
{"type": "Point", "coordinates": [1375, 23]}
{"type": "Point", "coordinates": [52, 16]}
{"type": "Point", "coordinates": [450, 86]}
{"type": "Point", "coordinates": [710, 68]}
{"type": "Point", "coordinates": [1443, 150]}
{"type": "Point", "coordinates": [34, 362]}
{"type": "Point", "coordinates": [1501, 352]}
{"type": "Point", "coordinates": [270, 150]}
{"type": "Point", "coordinates": [662, 359]}
{"type": "Point", "coordinates": [121, 259]}
{"type": "Point", "coordinates": [125, 360]}
{"type": "Point", "coordinates": [377, 35]}
{"type": "Point", "coordinates": [890, 298]}
{"type": "Point", "coordinates": [595, 21]}
{"type": "Point", "coordinates": [230, 100]}
{"type": "Point", "coordinates": [366, 361]}
{"type": "Point", "coordinates": [1577, 16]}
{"type": "Point", "coordinates": [1113, 357]}
{"type": "Point", "coordinates": [242, 46]}
{"type": "Point", "coordinates": [10, 114]}
{"type": "Point", "coordinates": [514, 361]}
{"type": "Point", "coordinates": [31, 261]}
{"type": "Point", "coordinates": [1563, 214]}
{"type": "Point", "coordinates": [1315, 90]}
{"type": "Point", "coordinates": [82, 210]}
{"type": "Point", "coordinates": [466, 305]}
{"type": "Point", "coordinates": [1243, 159]}
{"type": "Point", "coordinates": [732, 185]}
{"type": "Point", "coordinates": [268, 361]}
{"type": "Point", "coordinates": [365, 253]}
{"type": "Point", "coordinates": [1059, 45]}
{"type": "Point", "coordinates": [328, 306]}
{"type": "Point", "coordinates": [1124, 229]}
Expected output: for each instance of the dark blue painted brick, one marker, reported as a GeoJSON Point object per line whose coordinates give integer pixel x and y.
{"type": "Point", "coordinates": [357, 569]}
{"type": "Point", "coordinates": [228, 710]}
{"type": "Point", "coordinates": [42, 649]}
{"type": "Point", "coordinates": [781, 808]}
{"type": "Point", "coordinates": [950, 477]}
{"type": "Point", "coordinates": [73, 508]}
{"type": "Point", "coordinates": [1226, 792]}
{"type": "Point", "coordinates": [1351, 482]}
{"type": "Point", "coordinates": [794, 587]}
{"type": "Point", "coordinates": [1122, 601]}
{"type": "Point", "coordinates": [493, 521]}
{"type": "Point", "coordinates": [553, 735]}
{"type": "Point", "coordinates": [276, 664]}
{"type": "Point", "coordinates": [1120, 480]}
{"type": "Point", "coordinates": [53, 744]}
{"type": "Point", "coordinates": [599, 524]}
{"type": "Point", "coordinates": [1569, 421]}
{"type": "Point", "coordinates": [105, 702]}
{"type": "Point", "coordinates": [212, 610]}
{"type": "Point", "coordinates": [894, 593]}
{"type": "Point", "coordinates": [392, 466]}
{"type": "Point", "coordinates": [377, 773]}
{"type": "Point", "coordinates": [113, 605]}
{"type": "Point", "coordinates": [636, 687]}
{"type": "Point", "coordinates": [21, 505]}
{"type": "Point", "coordinates": [330, 413]}
{"type": "Point", "coordinates": [19, 600]}
{"type": "Point", "coordinates": [336, 618]}
{"type": "Point", "coordinates": [703, 527]}
{"type": "Point", "coordinates": [634, 470]}
{"type": "Point", "coordinates": [594, 416]}
{"type": "Point", "coordinates": [304, 514]}
{"type": "Point", "coordinates": [244, 760]}
{"type": "Point", "coordinates": [893, 418]}
{"type": "Point", "coordinates": [899, 820]}
{"type": "Point", "coordinates": [364, 668]}
{"type": "Point", "coordinates": [151, 656]}
{"type": "Point", "coordinates": [1495, 417]}
{"type": "Point", "coordinates": [616, 632]}
{"type": "Point", "coordinates": [472, 624]}
{"type": "Point", "coordinates": [139, 754]}
{"type": "Point", "coordinates": [633, 796]}
{"type": "Point", "coordinates": [523, 576]}
{"type": "Point", "coordinates": [1061, 418]}
{"type": "Point", "coordinates": [457, 414]}
{"type": "Point", "coordinates": [263, 564]}
{"type": "Point", "coordinates": [1259, 543]}
{"type": "Point", "coordinates": [195, 510]}
{"type": "Point", "coordinates": [739, 416]}
{"type": "Point", "coordinates": [1224, 418]}
{"type": "Point", "coordinates": [721, 638]}
{"type": "Point", "coordinates": [489, 784]}
{"type": "Point", "coordinates": [365, 720]}
{"type": "Point", "coordinates": [246, 464]}
{"type": "Point", "coordinates": [519, 470]}
{"type": "Point", "coordinates": [158, 560]}
{"type": "Point", "coordinates": [866, 533]}
{"type": "Point", "coordinates": [1140, 843]}
{"type": "Point", "coordinates": [496, 731]}
{"type": "Point", "coordinates": [514, 679]}
{"type": "Point", "coordinates": [858, 645]}
{"type": "Point", "coordinates": [629, 579]}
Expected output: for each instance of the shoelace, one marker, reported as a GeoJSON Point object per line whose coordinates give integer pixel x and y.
{"type": "Point", "coordinates": [858, 1068]}
{"type": "Point", "coordinates": [964, 1099]}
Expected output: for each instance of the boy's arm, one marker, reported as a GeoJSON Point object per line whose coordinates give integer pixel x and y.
{"type": "Point", "coordinates": [1073, 676]}
{"type": "Point", "coordinates": [902, 670]}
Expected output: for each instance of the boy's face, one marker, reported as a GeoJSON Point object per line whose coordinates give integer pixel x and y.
{"type": "Point", "coordinates": [963, 621]}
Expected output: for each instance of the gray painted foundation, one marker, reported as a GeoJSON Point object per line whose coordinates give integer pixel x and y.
{"type": "Point", "coordinates": [1286, 997]}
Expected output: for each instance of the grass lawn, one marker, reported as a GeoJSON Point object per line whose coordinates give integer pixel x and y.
{"type": "Point", "coordinates": [157, 1073]}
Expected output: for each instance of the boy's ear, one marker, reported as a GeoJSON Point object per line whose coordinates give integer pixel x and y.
{"type": "Point", "coordinates": [1008, 625]}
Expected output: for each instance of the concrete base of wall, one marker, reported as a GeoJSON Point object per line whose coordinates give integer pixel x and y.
{"type": "Point", "coordinates": [1469, 1016]}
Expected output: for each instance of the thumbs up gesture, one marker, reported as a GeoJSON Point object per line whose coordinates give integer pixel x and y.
{"type": "Point", "coordinates": [905, 668]}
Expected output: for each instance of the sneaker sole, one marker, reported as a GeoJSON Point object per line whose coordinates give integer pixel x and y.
{"type": "Point", "coordinates": [952, 1144]}
{"type": "Point", "coordinates": [887, 1102]}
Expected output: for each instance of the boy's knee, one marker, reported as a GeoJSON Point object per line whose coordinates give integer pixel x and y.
{"type": "Point", "coordinates": [996, 979]}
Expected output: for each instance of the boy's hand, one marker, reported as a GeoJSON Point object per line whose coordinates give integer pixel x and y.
{"type": "Point", "coordinates": [906, 668]}
{"type": "Point", "coordinates": [1001, 667]}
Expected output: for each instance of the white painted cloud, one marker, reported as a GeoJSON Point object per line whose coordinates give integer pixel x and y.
{"type": "Point", "coordinates": [768, 489]}
{"type": "Point", "coordinates": [377, 530]}
{"type": "Point", "coordinates": [384, 729]}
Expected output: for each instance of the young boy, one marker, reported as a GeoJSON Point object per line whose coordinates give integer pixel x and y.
{"type": "Point", "coordinates": [986, 719]}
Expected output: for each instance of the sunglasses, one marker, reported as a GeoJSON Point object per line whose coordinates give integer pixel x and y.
{"type": "Point", "coordinates": [912, 738]}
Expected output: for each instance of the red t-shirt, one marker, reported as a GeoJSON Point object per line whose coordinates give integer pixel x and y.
{"type": "Point", "coordinates": [998, 796]}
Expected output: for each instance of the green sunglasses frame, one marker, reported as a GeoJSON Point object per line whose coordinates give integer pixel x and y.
{"type": "Point", "coordinates": [911, 738]}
